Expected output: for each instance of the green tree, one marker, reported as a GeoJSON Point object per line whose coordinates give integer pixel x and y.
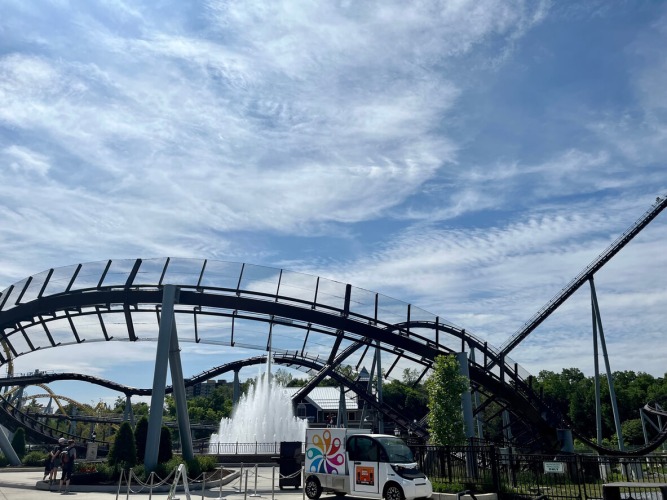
{"type": "Point", "coordinates": [633, 434]}
{"type": "Point", "coordinates": [18, 442]}
{"type": "Point", "coordinates": [283, 377]}
{"type": "Point", "coordinates": [140, 438]}
{"type": "Point", "coordinates": [165, 452]}
{"type": "Point", "coordinates": [123, 451]}
{"type": "Point", "coordinates": [410, 376]}
{"type": "Point", "coordinates": [445, 387]}
{"type": "Point", "coordinates": [411, 402]}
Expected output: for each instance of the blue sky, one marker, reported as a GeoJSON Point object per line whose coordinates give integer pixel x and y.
{"type": "Point", "coordinates": [469, 157]}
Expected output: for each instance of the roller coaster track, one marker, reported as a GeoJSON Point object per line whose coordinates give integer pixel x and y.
{"type": "Point", "coordinates": [301, 362]}
{"type": "Point", "coordinates": [516, 394]}
{"type": "Point", "coordinates": [581, 278]}
{"type": "Point", "coordinates": [47, 310]}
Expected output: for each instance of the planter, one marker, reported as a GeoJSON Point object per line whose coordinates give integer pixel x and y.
{"type": "Point", "coordinates": [88, 478]}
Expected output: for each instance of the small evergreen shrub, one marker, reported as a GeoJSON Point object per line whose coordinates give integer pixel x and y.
{"type": "Point", "coordinates": [140, 437]}
{"type": "Point", "coordinates": [123, 452]}
{"type": "Point", "coordinates": [165, 452]}
{"type": "Point", "coordinates": [18, 442]}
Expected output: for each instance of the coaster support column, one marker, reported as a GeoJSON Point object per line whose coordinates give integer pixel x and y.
{"type": "Point", "coordinates": [169, 297]}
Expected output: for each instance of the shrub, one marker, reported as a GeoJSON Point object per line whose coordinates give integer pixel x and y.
{"type": "Point", "coordinates": [3, 460]}
{"type": "Point", "coordinates": [35, 459]}
{"type": "Point", "coordinates": [207, 463]}
{"type": "Point", "coordinates": [194, 468]}
{"type": "Point", "coordinates": [18, 442]}
{"type": "Point", "coordinates": [165, 452]}
{"type": "Point", "coordinates": [140, 437]}
{"type": "Point", "coordinates": [123, 452]}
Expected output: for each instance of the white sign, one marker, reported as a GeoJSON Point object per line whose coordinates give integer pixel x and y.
{"type": "Point", "coordinates": [91, 451]}
{"type": "Point", "coordinates": [554, 467]}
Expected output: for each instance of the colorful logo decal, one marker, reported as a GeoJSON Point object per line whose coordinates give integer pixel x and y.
{"type": "Point", "coordinates": [325, 454]}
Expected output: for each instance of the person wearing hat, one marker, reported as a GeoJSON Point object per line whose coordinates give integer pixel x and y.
{"type": "Point", "coordinates": [55, 460]}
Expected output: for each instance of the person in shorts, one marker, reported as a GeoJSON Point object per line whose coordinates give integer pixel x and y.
{"type": "Point", "coordinates": [67, 458]}
{"type": "Point", "coordinates": [55, 459]}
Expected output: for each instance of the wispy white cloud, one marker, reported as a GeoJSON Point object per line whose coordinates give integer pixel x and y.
{"type": "Point", "coordinates": [344, 140]}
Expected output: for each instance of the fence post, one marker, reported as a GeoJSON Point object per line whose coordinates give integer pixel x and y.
{"type": "Point", "coordinates": [580, 475]}
{"type": "Point", "coordinates": [448, 457]}
{"type": "Point", "coordinates": [495, 468]}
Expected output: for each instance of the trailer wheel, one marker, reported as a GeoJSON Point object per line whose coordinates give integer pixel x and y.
{"type": "Point", "coordinates": [313, 488]}
{"type": "Point", "coordinates": [393, 492]}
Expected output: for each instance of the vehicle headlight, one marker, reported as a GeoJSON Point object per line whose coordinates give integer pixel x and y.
{"type": "Point", "coordinates": [408, 471]}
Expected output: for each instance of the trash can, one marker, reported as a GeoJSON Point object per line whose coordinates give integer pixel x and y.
{"type": "Point", "coordinates": [290, 464]}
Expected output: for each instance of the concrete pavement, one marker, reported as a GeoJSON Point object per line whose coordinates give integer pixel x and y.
{"type": "Point", "coordinates": [22, 484]}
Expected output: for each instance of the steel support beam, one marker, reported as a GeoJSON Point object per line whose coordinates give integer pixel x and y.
{"type": "Point", "coordinates": [128, 414]}
{"type": "Point", "coordinates": [160, 377]}
{"type": "Point", "coordinates": [237, 389]}
{"type": "Point", "coordinates": [7, 449]}
{"type": "Point", "coordinates": [178, 385]}
{"type": "Point", "coordinates": [466, 399]}
{"type": "Point", "coordinates": [610, 381]}
{"type": "Point", "coordinates": [378, 366]}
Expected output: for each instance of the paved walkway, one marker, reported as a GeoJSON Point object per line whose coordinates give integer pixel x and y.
{"type": "Point", "coordinates": [20, 484]}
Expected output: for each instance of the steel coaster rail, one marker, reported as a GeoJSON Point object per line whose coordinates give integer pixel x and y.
{"type": "Point", "coordinates": [558, 299]}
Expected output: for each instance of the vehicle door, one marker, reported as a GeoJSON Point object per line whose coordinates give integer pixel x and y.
{"type": "Point", "coordinates": [364, 453]}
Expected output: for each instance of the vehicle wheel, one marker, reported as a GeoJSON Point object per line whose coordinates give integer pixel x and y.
{"type": "Point", "coordinates": [341, 493]}
{"type": "Point", "coordinates": [394, 492]}
{"type": "Point", "coordinates": [313, 488]}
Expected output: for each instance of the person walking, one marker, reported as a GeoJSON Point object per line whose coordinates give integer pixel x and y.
{"type": "Point", "coordinates": [67, 457]}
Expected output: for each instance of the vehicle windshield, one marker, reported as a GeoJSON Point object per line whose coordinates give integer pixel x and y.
{"type": "Point", "coordinates": [397, 451]}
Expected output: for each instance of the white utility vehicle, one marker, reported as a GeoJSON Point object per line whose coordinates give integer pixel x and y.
{"type": "Point", "coordinates": [365, 465]}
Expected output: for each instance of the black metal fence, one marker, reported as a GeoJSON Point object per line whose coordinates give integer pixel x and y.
{"type": "Point", "coordinates": [516, 475]}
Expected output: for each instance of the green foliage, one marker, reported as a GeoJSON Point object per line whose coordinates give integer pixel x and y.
{"type": "Point", "coordinates": [574, 394]}
{"type": "Point", "coordinates": [410, 376]}
{"type": "Point", "coordinates": [445, 387]}
{"type": "Point", "coordinates": [140, 437]}
{"type": "Point", "coordinates": [409, 401]}
{"type": "Point", "coordinates": [164, 453]}
{"type": "Point", "coordinates": [207, 463]}
{"type": "Point", "coordinates": [633, 434]}
{"type": "Point", "coordinates": [34, 459]}
{"type": "Point", "coordinates": [283, 377]}
{"type": "Point", "coordinates": [345, 370]}
{"type": "Point", "coordinates": [18, 442]}
{"type": "Point", "coordinates": [123, 452]}
{"type": "Point", "coordinates": [193, 467]}
{"type": "Point", "coordinates": [4, 462]}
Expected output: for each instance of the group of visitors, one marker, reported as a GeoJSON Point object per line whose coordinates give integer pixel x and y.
{"type": "Point", "coordinates": [63, 456]}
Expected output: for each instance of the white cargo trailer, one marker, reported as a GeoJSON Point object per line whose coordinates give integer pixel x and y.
{"type": "Point", "coordinates": [346, 461]}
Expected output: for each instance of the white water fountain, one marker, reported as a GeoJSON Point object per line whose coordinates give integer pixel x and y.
{"type": "Point", "coordinates": [263, 415]}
